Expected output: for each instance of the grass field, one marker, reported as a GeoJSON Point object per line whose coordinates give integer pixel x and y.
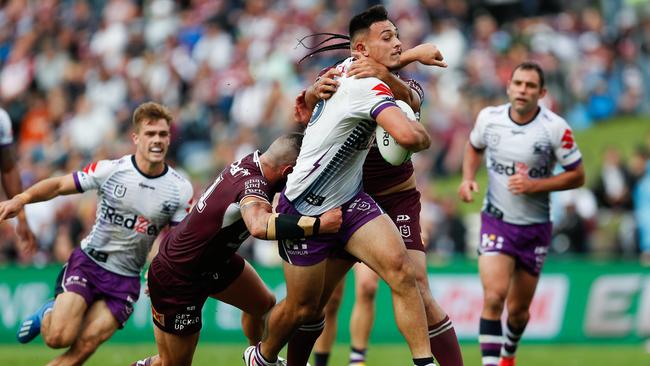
{"type": "Point", "coordinates": [380, 355]}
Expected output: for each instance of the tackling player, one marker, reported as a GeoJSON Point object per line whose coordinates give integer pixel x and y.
{"type": "Point", "coordinates": [198, 258]}
{"type": "Point", "coordinates": [394, 189]}
{"type": "Point", "coordinates": [523, 141]}
{"type": "Point", "coordinates": [138, 195]}
{"type": "Point", "coordinates": [328, 174]}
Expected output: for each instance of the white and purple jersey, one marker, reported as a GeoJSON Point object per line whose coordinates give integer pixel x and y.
{"type": "Point", "coordinates": [532, 148]}
{"type": "Point", "coordinates": [6, 133]}
{"type": "Point", "coordinates": [328, 171]}
{"type": "Point", "coordinates": [132, 208]}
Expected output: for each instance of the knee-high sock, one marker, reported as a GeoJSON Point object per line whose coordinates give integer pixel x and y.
{"type": "Point", "coordinates": [302, 342]}
{"type": "Point", "coordinates": [321, 358]}
{"type": "Point", "coordinates": [491, 339]}
{"type": "Point", "coordinates": [444, 343]}
{"type": "Point", "coordinates": [513, 335]}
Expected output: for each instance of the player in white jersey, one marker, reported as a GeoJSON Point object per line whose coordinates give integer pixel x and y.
{"type": "Point", "coordinates": [523, 141]}
{"type": "Point", "coordinates": [11, 184]}
{"type": "Point", "coordinates": [138, 195]}
{"type": "Point", "coordinates": [327, 175]}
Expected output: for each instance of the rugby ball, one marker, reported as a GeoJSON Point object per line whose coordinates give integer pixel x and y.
{"type": "Point", "coordinates": [389, 149]}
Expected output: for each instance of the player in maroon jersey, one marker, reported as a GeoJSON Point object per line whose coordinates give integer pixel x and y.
{"type": "Point", "coordinates": [394, 189]}
{"type": "Point", "coordinates": [198, 258]}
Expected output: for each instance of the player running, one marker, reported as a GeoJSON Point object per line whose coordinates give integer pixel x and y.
{"type": "Point", "coordinates": [523, 141]}
{"type": "Point", "coordinates": [394, 189]}
{"type": "Point", "coordinates": [198, 258]}
{"type": "Point", "coordinates": [138, 195]}
{"type": "Point", "coordinates": [328, 174]}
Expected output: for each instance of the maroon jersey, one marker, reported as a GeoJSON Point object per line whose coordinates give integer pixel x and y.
{"type": "Point", "coordinates": [214, 229]}
{"type": "Point", "coordinates": [378, 174]}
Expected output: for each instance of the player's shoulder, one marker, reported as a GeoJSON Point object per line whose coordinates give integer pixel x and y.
{"type": "Point", "coordinates": [492, 114]}
{"type": "Point", "coordinates": [552, 119]}
{"type": "Point", "coordinates": [178, 178]}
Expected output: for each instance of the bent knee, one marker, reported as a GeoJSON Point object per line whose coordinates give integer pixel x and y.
{"type": "Point", "coordinates": [58, 338]}
{"type": "Point", "coordinates": [400, 271]}
{"type": "Point", "coordinates": [367, 290]}
{"type": "Point", "coordinates": [493, 301]}
{"type": "Point", "coordinates": [87, 347]}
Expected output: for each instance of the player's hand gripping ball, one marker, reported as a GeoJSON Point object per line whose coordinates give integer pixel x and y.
{"type": "Point", "coordinates": [389, 149]}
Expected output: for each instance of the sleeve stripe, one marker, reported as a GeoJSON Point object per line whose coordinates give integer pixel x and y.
{"type": "Point", "coordinates": [573, 165]}
{"type": "Point", "coordinates": [76, 182]}
{"type": "Point", "coordinates": [374, 112]}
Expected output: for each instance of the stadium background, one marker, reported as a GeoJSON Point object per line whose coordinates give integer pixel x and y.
{"type": "Point", "coordinates": [72, 72]}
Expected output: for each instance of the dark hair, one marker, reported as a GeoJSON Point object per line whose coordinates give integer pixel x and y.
{"type": "Point", "coordinates": [358, 23]}
{"type": "Point", "coordinates": [364, 20]}
{"type": "Point", "coordinates": [531, 65]}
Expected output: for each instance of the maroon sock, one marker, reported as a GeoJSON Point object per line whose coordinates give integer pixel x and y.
{"type": "Point", "coordinates": [444, 344]}
{"type": "Point", "coordinates": [302, 342]}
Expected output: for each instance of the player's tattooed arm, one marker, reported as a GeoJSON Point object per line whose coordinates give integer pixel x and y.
{"type": "Point", "coordinates": [262, 223]}
{"type": "Point", "coordinates": [425, 53]}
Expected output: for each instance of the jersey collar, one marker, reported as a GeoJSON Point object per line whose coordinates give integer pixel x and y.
{"type": "Point", "coordinates": [147, 175]}
{"type": "Point", "coordinates": [533, 118]}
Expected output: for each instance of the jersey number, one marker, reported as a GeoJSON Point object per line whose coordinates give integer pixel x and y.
{"type": "Point", "coordinates": [200, 206]}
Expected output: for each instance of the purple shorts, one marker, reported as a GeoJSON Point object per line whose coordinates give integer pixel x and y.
{"type": "Point", "coordinates": [83, 276]}
{"type": "Point", "coordinates": [358, 211]}
{"type": "Point", "coordinates": [404, 209]}
{"type": "Point", "coordinates": [527, 244]}
{"type": "Point", "coordinates": [176, 302]}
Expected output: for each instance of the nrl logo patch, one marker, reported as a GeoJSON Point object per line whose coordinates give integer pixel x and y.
{"type": "Point", "coordinates": [119, 191]}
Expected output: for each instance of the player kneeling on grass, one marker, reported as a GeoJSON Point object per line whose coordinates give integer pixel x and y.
{"type": "Point", "coordinates": [198, 258]}
{"type": "Point", "coordinates": [138, 195]}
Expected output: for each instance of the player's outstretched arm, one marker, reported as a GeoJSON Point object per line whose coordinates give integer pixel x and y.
{"type": "Point", "coordinates": [471, 162]}
{"type": "Point", "coordinates": [262, 223]}
{"type": "Point", "coordinates": [425, 53]}
{"type": "Point", "coordinates": [12, 186]}
{"type": "Point", "coordinates": [410, 134]}
{"type": "Point", "coordinates": [41, 191]}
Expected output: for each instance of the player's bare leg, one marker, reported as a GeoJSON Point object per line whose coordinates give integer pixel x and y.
{"type": "Point", "coordinates": [362, 318]}
{"type": "Point", "coordinates": [249, 293]}
{"type": "Point", "coordinates": [496, 271]}
{"type": "Point", "coordinates": [61, 326]}
{"type": "Point", "coordinates": [325, 342]}
{"type": "Point", "coordinates": [379, 245]}
{"type": "Point", "coordinates": [442, 336]}
{"type": "Point", "coordinates": [174, 350]}
{"type": "Point", "coordinates": [522, 290]}
{"type": "Point", "coordinates": [99, 325]}
{"type": "Point", "coordinates": [302, 341]}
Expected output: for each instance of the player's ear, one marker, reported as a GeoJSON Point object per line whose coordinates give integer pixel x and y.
{"type": "Point", "coordinates": [287, 170]}
{"type": "Point", "coordinates": [542, 93]}
{"type": "Point", "coordinates": [135, 138]}
{"type": "Point", "coordinates": [361, 48]}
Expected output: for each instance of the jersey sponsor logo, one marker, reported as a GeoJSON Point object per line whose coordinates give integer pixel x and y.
{"type": "Point", "coordinates": [90, 168]}
{"type": "Point", "coordinates": [540, 148]}
{"type": "Point", "coordinates": [146, 186]}
{"type": "Point", "coordinates": [119, 191]}
{"type": "Point", "coordinates": [133, 222]}
{"type": "Point", "coordinates": [382, 89]}
{"type": "Point", "coordinates": [567, 139]}
{"type": "Point", "coordinates": [519, 168]}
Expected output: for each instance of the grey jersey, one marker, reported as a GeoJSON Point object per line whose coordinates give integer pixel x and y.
{"type": "Point", "coordinates": [132, 208]}
{"type": "Point", "coordinates": [6, 133]}
{"type": "Point", "coordinates": [329, 168]}
{"type": "Point", "coordinates": [533, 149]}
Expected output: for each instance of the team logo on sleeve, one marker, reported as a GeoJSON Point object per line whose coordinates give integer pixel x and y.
{"type": "Point", "coordinates": [567, 139]}
{"type": "Point", "coordinates": [382, 89]}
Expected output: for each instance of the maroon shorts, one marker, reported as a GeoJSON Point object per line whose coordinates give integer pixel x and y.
{"type": "Point", "coordinates": [404, 209]}
{"type": "Point", "coordinates": [176, 302]}
{"type": "Point", "coordinates": [83, 276]}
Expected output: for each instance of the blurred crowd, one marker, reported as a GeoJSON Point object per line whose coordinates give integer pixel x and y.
{"type": "Point", "coordinates": [72, 72]}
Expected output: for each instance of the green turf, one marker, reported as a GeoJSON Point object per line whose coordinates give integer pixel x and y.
{"type": "Point", "coordinates": [379, 355]}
